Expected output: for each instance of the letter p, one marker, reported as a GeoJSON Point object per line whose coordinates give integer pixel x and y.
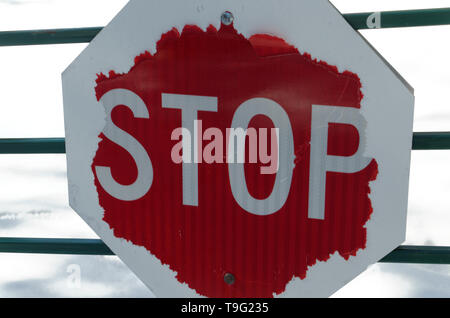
{"type": "Point", "coordinates": [320, 162]}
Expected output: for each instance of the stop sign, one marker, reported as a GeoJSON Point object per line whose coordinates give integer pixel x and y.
{"type": "Point", "coordinates": [239, 149]}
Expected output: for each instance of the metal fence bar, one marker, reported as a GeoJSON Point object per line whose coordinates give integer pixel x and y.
{"type": "Point", "coordinates": [419, 255]}
{"type": "Point", "coordinates": [431, 141]}
{"type": "Point", "coordinates": [50, 36]}
{"type": "Point", "coordinates": [401, 19]}
{"type": "Point", "coordinates": [32, 146]}
{"type": "Point", "coordinates": [388, 19]}
{"type": "Point", "coordinates": [421, 141]}
{"type": "Point", "coordinates": [54, 246]}
{"type": "Point", "coordinates": [403, 254]}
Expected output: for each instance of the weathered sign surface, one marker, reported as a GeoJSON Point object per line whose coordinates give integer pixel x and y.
{"type": "Point", "coordinates": [238, 148]}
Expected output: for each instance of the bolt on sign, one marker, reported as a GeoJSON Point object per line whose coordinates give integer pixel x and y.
{"type": "Point", "coordinates": [238, 148]}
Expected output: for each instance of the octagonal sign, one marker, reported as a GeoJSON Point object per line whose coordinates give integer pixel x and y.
{"type": "Point", "coordinates": [238, 148]}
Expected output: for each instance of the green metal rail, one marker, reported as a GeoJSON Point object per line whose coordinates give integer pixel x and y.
{"type": "Point", "coordinates": [54, 246]}
{"type": "Point", "coordinates": [431, 141]}
{"type": "Point", "coordinates": [32, 146]}
{"type": "Point", "coordinates": [386, 19]}
{"type": "Point", "coordinates": [402, 254]}
{"type": "Point", "coordinates": [421, 141]}
{"type": "Point", "coordinates": [55, 36]}
{"type": "Point", "coordinates": [401, 19]}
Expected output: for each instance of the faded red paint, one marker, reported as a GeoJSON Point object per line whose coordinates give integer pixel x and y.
{"type": "Point", "coordinates": [203, 243]}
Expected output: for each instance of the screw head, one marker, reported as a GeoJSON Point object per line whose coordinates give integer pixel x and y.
{"type": "Point", "coordinates": [227, 18]}
{"type": "Point", "coordinates": [229, 278]}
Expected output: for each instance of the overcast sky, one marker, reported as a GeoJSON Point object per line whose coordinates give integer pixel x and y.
{"type": "Point", "coordinates": [33, 189]}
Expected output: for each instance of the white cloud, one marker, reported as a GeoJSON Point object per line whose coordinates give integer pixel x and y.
{"type": "Point", "coordinates": [377, 282]}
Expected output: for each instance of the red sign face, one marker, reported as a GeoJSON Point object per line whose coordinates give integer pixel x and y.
{"type": "Point", "coordinates": [229, 229]}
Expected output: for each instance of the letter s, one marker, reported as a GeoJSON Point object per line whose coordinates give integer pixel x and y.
{"type": "Point", "coordinates": [144, 180]}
